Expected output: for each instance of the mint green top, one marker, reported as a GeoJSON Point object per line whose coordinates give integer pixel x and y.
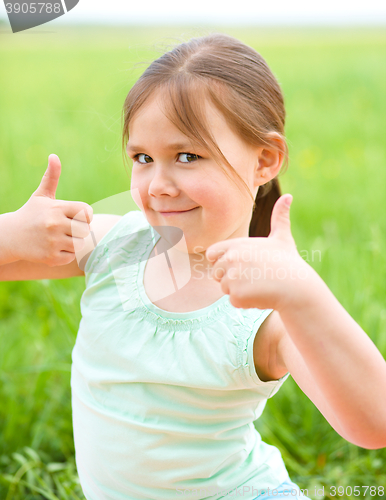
{"type": "Point", "coordinates": [164, 402]}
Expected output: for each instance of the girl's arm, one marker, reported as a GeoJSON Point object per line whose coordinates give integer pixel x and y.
{"type": "Point", "coordinates": [269, 364]}
{"type": "Point", "coordinates": [328, 354]}
{"type": "Point", "coordinates": [25, 270]}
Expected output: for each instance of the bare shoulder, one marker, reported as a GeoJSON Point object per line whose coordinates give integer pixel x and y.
{"type": "Point", "coordinates": [23, 270]}
{"type": "Point", "coordinates": [268, 364]}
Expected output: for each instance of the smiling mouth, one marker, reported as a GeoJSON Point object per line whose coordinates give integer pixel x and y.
{"type": "Point", "coordinates": [180, 212]}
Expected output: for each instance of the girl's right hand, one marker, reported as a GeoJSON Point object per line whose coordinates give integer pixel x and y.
{"type": "Point", "coordinates": [46, 229]}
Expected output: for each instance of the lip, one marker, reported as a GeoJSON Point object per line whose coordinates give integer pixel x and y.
{"type": "Point", "coordinates": [168, 214]}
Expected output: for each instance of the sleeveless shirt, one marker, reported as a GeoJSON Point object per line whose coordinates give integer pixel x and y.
{"type": "Point", "coordinates": [164, 402]}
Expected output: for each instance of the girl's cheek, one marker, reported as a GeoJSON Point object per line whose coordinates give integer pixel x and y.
{"type": "Point", "coordinates": [203, 189]}
{"type": "Point", "coordinates": [137, 194]}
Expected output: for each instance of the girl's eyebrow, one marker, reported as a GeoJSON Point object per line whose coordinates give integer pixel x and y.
{"type": "Point", "coordinates": [178, 146]}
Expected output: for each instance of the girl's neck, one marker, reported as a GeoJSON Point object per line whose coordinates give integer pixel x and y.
{"type": "Point", "coordinates": [179, 260]}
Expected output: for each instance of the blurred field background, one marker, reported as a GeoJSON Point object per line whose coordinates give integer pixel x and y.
{"type": "Point", "coordinates": [62, 93]}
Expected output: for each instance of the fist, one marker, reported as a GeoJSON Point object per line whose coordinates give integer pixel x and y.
{"type": "Point", "coordinates": [48, 230]}
{"type": "Point", "coordinates": [266, 273]}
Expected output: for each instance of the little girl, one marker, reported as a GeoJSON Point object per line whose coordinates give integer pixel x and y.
{"type": "Point", "coordinates": [183, 339]}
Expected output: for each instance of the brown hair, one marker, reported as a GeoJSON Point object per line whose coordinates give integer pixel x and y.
{"type": "Point", "coordinates": [242, 87]}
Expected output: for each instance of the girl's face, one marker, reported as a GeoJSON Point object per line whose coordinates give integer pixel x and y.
{"type": "Point", "coordinates": [173, 176]}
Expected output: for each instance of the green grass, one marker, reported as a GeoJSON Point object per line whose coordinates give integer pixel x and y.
{"type": "Point", "coordinates": [63, 93]}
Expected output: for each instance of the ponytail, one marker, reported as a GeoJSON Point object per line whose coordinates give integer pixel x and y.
{"type": "Point", "coordinates": [261, 218]}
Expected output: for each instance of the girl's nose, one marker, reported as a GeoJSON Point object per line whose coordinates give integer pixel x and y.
{"type": "Point", "coordinates": [162, 182]}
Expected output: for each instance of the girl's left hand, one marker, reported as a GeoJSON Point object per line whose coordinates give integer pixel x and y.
{"type": "Point", "coordinates": [266, 273]}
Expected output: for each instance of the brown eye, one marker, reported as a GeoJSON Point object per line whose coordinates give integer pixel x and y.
{"type": "Point", "coordinates": [188, 157]}
{"type": "Point", "coordinates": [147, 159]}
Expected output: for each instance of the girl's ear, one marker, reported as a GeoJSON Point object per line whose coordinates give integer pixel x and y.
{"type": "Point", "coordinates": [270, 160]}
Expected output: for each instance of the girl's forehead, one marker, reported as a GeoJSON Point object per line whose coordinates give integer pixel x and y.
{"type": "Point", "coordinates": [182, 118]}
{"type": "Point", "coordinates": [152, 104]}
{"type": "Point", "coordinates": [187, 97]}
{"type": "Point", "coordinates": [161, 106]}
{"type": "Point", "coordinates": [151, 119]}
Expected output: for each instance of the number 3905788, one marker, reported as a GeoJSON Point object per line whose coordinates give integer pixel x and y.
{"type": "Point", "coordinates": [33, 8]}
{"type": "Point", "coordinates": [357, 491]}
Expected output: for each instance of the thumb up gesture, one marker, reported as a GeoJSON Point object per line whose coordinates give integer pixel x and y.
{"type": "Point", "coordinates": [261, 272]}
{"type": "Point", "coordinates": [45, 228]}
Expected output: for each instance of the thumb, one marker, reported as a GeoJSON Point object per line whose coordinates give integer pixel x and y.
{"type": "Point", "coordinates": [280, 218]}
{"type": "Point", "coordinates": [50, 179]}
